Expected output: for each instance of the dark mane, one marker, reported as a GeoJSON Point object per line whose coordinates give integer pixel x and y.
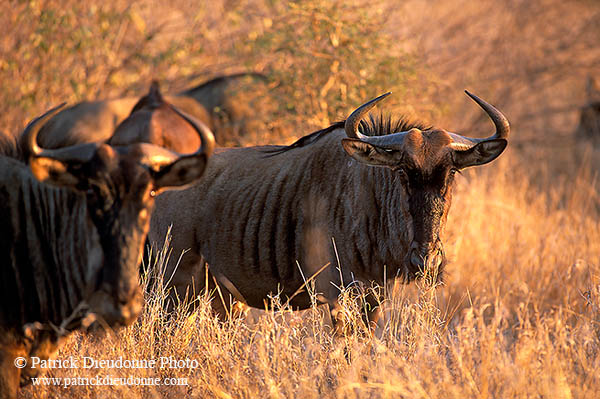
{"type": "Point", "coordinates": [380, 125]}
{"type": "Point", "coordinates": [304, 141]}
{"type": "Point", "coordinates": [152, 100]}
{"type": "Point", "coordinates": [9, 147]}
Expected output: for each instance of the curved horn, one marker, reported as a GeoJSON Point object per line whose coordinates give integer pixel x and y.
{"type": "Point", "coordinates": [74, 153]}
{"type": "Point", "coordinates": [32, 129]}
{"type": "Point", "coordinates": [157, 157]}
{"type": "Point", "coordinates": [207, 139]}
{"type": "Point", "coordinates": [500, 121]}
{"type": "Point", "coordinates": [353, 121]}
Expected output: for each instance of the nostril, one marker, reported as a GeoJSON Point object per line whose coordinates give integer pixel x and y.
{"type": "Point", "coordinates": [416, 259]}
{"type": "Point", "coordinates": [414, 246]}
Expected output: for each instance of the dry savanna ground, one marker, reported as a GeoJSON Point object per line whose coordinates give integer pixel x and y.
{"type": "Point", "coordinates": [518, 314]}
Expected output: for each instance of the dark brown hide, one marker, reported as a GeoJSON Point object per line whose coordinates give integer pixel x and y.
{"type": "Point", "coordinates": [72, 229]}
{"type": "Point", "coordinates": [383, 198]}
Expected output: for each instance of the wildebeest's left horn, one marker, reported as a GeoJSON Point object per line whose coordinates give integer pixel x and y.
{"type": "Point", "coordinates": [500, 121]}
{"type": "Point", "coordinates": [80, 152]}
{"type": "Point", "coordinates": [353, 121]}
{"type": "Point", "coordinates": [32, 129]}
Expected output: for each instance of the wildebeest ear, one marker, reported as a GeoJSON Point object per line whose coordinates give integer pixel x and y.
{"type": "Point", "coordinates": [184, 171]}
{"type": "Point", "coordinates": [479, 154]}
{"type": "Point", "coordinates": [53, 171]}
{"type": "Point", "coordinates": [367, 153]}
{"type": "Point", "coordinates": [74, 167]}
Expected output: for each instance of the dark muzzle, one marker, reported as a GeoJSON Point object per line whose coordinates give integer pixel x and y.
{"type": "Point", "coordinates": [113, 311]}
{"type": "Point", "coordinates": [426, 257]}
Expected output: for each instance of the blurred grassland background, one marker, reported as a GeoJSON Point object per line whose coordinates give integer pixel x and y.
{"type": "Point", "coordinates": [519, 312]}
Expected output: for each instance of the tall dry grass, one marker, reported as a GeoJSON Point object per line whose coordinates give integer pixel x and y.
{"type": "Point", "coordinates": [518, 314]}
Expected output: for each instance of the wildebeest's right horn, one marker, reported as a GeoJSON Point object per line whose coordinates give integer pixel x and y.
{"type": "Point", "coordinates": [157, 157]}
{"type": "Point", "coordinates": [207, 138]}
{"type": "Point", "coordinates": [353, 121]}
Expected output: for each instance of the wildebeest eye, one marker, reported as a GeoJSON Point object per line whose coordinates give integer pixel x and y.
{"type": "Point", "coordinates": [402, 173]}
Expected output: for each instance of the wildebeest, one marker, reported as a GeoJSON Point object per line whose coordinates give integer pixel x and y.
{"type": "Point", "coordinates": [212, 102]}
{"type": "Point", "coordinates": [72, 228]}
{"type": "Point", "coordinates": [589, 118]}
{"type": "Point", "coordinates": [382, 195]}
{"type": "Point", "coordinates": [8, 145]}
{"type": "Point", "coordinates": [153, 120]}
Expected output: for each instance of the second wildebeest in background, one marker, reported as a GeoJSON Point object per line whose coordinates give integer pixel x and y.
{"type": "Point", "coordinates": [220, 103]}
{"type": "Point", "coordinates": [153, 120]}
{"type": "Point", "coordinates": [383, 195]}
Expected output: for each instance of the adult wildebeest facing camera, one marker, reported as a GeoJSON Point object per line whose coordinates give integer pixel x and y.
{"type": "Point", "coordinates": [383, 195]}
{"type": "Point", "coordinates": [72, 228]}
